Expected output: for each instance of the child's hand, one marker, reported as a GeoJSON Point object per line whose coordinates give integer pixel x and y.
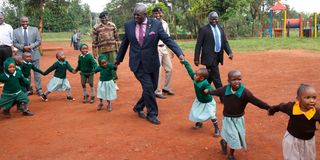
{"type": "Point", "coordinates": [271, 111]}
{"type": "Point", "coordinates": [206, 91]}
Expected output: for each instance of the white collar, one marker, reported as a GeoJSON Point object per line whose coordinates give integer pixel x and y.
{"type": "Point", "coordinates": [26, 62]}
{"type": "Point", "coordinates": [14, 74]}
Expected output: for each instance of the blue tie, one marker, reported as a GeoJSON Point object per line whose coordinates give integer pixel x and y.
{"type": "Point", "coordinates": [25, 37]}
{"type": "Point", "coordinates": [216, 40]}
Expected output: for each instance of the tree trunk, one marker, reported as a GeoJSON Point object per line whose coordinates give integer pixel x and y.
{"type": "Point", "coordinates": [41, 11]}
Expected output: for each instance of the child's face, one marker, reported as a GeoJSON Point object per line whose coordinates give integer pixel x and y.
{"type": "Point", "coordinates": [308, 98]}
{"type": "Point", "coordinates": [235, 81]}
{"type": "Point", "coordinates": [27, 58]}
{"type": "Point", "coordinates": [84, 49]}
{"type": "Point", "coordinates": [103, 63]}
{"type": "Point", "coordinates": [198, 77]}
{"type": "Point", "coordinates": [18, 61]}
{"type": "Point", "coordinates": [62, 57]}
{"type": "Point", "coordinates": [11, 68]}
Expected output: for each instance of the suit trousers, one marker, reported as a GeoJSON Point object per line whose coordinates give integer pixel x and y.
{"type": "Point", "coordinates": [149, 82]}
{"type": "Point", "coordinates": [214, 76]}
{"type": "Point", "coordinates": [5, 52]}
{"type": "Point", "coordinates": [165, 62]}
{"type": "Point", "coordinates": [37, 76]}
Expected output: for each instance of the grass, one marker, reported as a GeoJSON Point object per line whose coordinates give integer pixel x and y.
{"type": "Point", "coordinates": [239, 45]}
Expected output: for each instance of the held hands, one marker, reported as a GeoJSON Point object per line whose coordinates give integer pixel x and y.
{"type": "Point", "coordinates": [182, 58]}
{"type": "Point", "coordinates": [231, 56]}
{"type": "Point", "coordinates": [116, 63]}
{"type": "Point", "coordinates": [196, 63]}
{"type": "Point", "coordinates": [206, 91]}
{"type": "Point", "coordinates": [271, 111]}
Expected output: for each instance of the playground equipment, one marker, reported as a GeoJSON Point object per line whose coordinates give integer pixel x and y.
{"type": "Point", "coordinates": [307, 28]}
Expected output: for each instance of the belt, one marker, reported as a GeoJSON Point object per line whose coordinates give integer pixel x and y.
{"type": "Point", "coordinates": [161, 45]}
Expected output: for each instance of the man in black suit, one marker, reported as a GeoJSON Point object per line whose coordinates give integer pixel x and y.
{"type": "Point", "coordinates": [211, 43]}
{"type": "Point", "coordinates": [143, 35]}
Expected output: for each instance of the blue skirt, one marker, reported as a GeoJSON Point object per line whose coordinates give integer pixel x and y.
{"type": "Point", "coordinates": [201, 112]}
{"type": "Point", "coordinates": [234, 132]}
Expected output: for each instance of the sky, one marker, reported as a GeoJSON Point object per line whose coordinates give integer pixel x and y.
{"type": "Point", "coordinates": [307, 6]}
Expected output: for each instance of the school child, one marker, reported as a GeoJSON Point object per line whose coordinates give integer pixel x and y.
{"type": "Point", "coordinates": [106, 86]}
{"type": "Point", "coordinates": [86, 66]}
{"type": "Point", "coordinates": [299, 140]}
{"type": "Point", "coordinates": [26, 68]}
{"type": "Point", "coordinates": [59, 81]}
{"type": "Point", "coordinates": [12, 92]}
{"type": "Point", "coordinates": [235, 97]}
{"type": "Point", "coordinates": [204, 106]}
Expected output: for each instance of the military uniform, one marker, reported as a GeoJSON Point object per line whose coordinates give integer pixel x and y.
{"type": "Point", "coordinates": [105, 40]}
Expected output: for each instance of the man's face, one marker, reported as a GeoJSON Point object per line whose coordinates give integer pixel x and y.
{"type": "Point", "coordinates": [104, 20]}
{"type": "Point", "coordinates": [24, 22]}
{"type": "Point", "coordinates": [213, 20]}
{"type": "Point", "coordinates": [157, 15]}
{"type": "Point", "coordinates": [1, 20]}
{"type": "Point", "coordinates": [139, 16]}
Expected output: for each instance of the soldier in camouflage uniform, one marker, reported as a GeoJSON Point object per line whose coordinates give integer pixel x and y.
{"type": "Point", "coordinates": [105, 40]}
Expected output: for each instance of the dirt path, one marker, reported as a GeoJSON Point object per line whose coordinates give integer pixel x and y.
{"type": "Point", "coordinates": [62, 129]}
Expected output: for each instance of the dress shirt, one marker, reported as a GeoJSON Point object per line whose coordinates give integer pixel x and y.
{"type": "Point", "coordinates": [6, 34]}
{"type": "Point", "coordinates": [144, 27]}
{"type": "Point", "coordinates": [166, 29]}
{"type": "Point", "coordinates": [217, 37]}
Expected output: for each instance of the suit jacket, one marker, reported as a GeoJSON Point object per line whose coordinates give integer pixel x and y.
{"type": "Point", "coordinates": [205, 47]}
{"type": "Point", "coordinates": [147, 54]}
{"type": "Point", "coordinates": [33, 39]}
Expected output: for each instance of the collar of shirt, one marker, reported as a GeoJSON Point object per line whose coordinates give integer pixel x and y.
{"type": "Point", "coordinates": [83, 55]}
{"type": "Point", "coordinates": [238, 93]}
{"type": "Point", "coordinates": [8, 75]}
{"type": "Point", "coordinates": [22, 29]}
{"type": "Point", "coordinates": [297, 111]}
{"type": "Point", "coordinates": [144, 27]}
{"type": "Point", "coordinates": [62, 63]}
{"type": "Point", "coordinates": [26, 62]}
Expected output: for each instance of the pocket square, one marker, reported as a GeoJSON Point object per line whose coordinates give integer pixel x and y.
{"type": "Point", "coordinates": [152, 33]}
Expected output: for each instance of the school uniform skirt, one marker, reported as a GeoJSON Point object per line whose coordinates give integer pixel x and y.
{"type": "Point", "coordinates": [106, 90]}
{"type": "Point", "coordinates": [58, 84]}
{"type": "Point", "coordinates": [202, 111]}
{"type": "Point", "coordinates": [234, 132]}
{"type": "Point", "coordinates": [298, 149]}
{"type": "Point", "coordinates": [7, 99]}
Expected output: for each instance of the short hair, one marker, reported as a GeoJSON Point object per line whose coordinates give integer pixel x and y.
{"type": "Point", "coordinates": [203, 72]}
{"type": "Point", "coordinates": [302, 87]}
{"type": "Point", "coordinates": [233, 72]}
{"type": "Point", "coordinates": [157, 9]}
{"type": "Point", "coordinates": [23, 17]}
{"type": "Point", "coordinates": [24, 54]}
{"type": "Point", "coordinates": [17, 57]}
{"type": "Point", "coordinates": [59, 54]}
{"type": "Point", "coordinates": [213, 14]}
{"type": "Point", "coordinates": [103, 14]}
{"type": "Point", "coordinates": [140, 7]}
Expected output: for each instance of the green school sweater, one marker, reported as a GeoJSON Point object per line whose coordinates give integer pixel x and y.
{"type": "Point", "coordinates": [86, 63]}
{"type": "Point", "coordinates": [199, 87]}
{"type": "Point", "coordinates": [60, 69]}
{"type": "Point", "coordinates": [106, 74]}
{"type": "Point", "coordinates": [26, 68]}
{"type": "Point", "coordinates": [12, 82]}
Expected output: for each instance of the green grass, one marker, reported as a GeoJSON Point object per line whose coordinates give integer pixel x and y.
{"type": "Point", "coordinates": [239, 45]}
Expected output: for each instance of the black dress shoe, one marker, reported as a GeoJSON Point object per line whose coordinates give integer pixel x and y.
{"type": "Point", "coordinates": [141, 114]}
{"type": "Point", "coordinates": [169, 92]}
{"type": "Point", "coordinates": [153, 120]}
{"type": "Point", "coordinates": [161, 96]}
{"type": "Point", "coordinates": [27, 113]}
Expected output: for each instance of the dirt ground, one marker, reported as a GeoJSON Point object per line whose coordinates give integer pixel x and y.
{"type": "Point", "coordinates": [62, 129]}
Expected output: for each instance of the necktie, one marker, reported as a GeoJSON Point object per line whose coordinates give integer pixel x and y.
{"type": "Point", "coordinates": [25, 37]}
{"type": "Point", "coordinates": [140, 34]}
{"type": "Point", "coordinates": [216, 40]}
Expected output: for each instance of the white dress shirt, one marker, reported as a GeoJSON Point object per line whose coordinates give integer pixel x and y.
{"type": "Point", "coordinates": [216, 37]}
{"type": "Point", "coordinates": [6, 34]}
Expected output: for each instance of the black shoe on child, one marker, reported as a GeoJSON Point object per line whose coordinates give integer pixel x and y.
{"type": "Point", "coordinates": [99, 108]}
{"type": "Point", "coordinates": [231, 157]}
{"type": "Point", "coordinates": [6, 113]}
{"type": "Point", "coordinates": [216, 132]}
{"type": "Point", "coordinates": [70, 98]}
{"type": "Point", "coordinates": [197, 125]}
{"type": "Point", "coordinates": [44, 97]}
{"type": "Point", "coordinates": [85, 99]}
{"type": "Point", "coordinates": [109, 108]}
{"type": "Point", "coordinates": [27, 113]}
{"type": "Point", "coordinates": [92, 99]}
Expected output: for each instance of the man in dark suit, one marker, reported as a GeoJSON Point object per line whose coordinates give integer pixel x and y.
{"type": "Point", "coordinates": [143, 35]}
{"type": "Point", "coordinates": [210, 46]}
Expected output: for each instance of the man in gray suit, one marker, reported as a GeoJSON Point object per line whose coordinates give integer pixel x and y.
{"type": "Point", "coordinates": [27, 39]}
